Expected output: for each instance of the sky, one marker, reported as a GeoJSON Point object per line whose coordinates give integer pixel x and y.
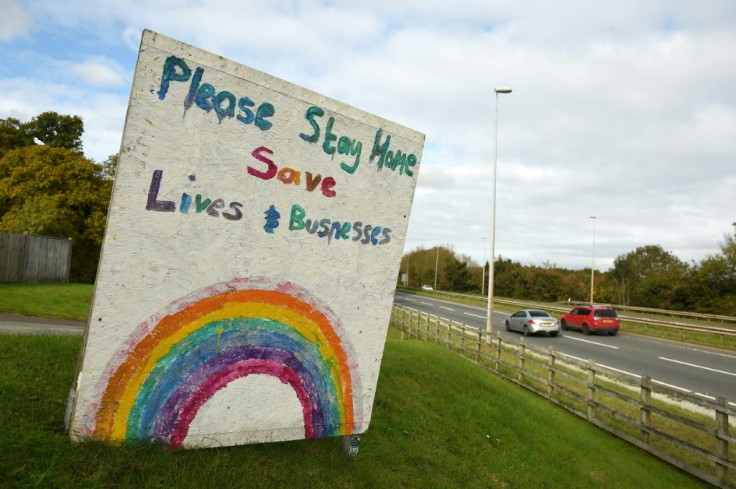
{"type": "Point", "coordinates": [623, 110]}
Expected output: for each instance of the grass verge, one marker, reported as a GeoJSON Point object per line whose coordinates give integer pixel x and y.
{"type": "Point", "coordinates": [438, 422]}
{"type": "Point", "coordinates": [68, 301]}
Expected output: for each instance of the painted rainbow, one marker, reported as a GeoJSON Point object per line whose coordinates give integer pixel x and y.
{"type": "Point", "coordinates": [180, 358]}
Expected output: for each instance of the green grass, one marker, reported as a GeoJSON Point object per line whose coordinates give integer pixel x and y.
{"type": "Point", "coordinates": [438, 422]}
{"type": "Point", "coordinates": [68, 301]}
{"type": "Point", "coordinates": [571, 391]}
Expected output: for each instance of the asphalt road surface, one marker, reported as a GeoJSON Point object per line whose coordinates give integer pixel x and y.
{"type": "Point", "coordinates": [14, 324]}
{"type": "Point", "coordinates": [703, 370]}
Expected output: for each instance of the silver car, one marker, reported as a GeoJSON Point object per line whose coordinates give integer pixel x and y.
{"type": "Point", "coordinates": [532, 321]}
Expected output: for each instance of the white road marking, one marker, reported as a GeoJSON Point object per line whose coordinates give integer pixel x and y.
{"type": "Point", "coordinates": [447, 308]}
{"type": "Point", "coordinates": [621, 371]}
{"type": "Point", "coordinates": [591, 342]}
{"type": "Point", "coordinates": [425, 303]}
{"type": "Point", "coordinates": [474, 315]}
{"type": "Point", "coordinates": [671, 386]}
{"type": "Point", "coordinates": [576, 358]}
{"type": "Point", "coordinates": [727, 355]}
{"type": "Point", "coordinates": [698, 366]}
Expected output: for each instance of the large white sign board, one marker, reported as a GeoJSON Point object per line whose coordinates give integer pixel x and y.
{"type": "Point", "coordinates": [249, 262]}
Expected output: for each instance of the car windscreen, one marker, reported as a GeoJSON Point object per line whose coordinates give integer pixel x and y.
{"type": "Point", "coordinates": [538, 314]}
{"type": "Point", "coordinates": [605, 313]}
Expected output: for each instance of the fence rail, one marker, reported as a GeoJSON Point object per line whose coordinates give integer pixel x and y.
{"type": "Point", "coordinates": [693, 433]}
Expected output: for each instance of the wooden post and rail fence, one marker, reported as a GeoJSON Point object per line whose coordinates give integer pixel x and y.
{"type": "Point", "coordinates": [692, 432]}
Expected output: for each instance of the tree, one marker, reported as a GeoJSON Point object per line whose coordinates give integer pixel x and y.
{"type": "Point", "coordinates": [59, 131]}
{"type": "Point", "coordinates": [48, 128]}
{"type": "Point", "coordinates": [714, 287]}
{"type": "Point", "coordinates": [457, 274]}
{"type": "Point", "coordinates": [508, 278]}
{"type": "Point", "coordinates": [575, 286]}
{"type": "Point", "coordinates": [55, 192]}
{"type": "Point", "coordinates": [12, 135]}
{"type": "Point", "coordinates": [650, 276]}
{"type": "Point", "coordinates": [109, 167]}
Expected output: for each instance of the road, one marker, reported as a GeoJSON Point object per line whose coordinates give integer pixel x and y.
{"type": "Point", "coordinates": [706, 371]}
{"type": "Point", "coordinates": [15, 324]}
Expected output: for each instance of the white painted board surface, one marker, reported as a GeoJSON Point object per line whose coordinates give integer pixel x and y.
{"type": "Point", "coordinates": [249, 263]}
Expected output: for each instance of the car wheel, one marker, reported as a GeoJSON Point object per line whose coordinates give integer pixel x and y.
{"type": "Point", "coordinates": [526, 330]}
{"type": "Point", "coordinates": [564, 326]}
{"type": "Point", "coordinates": [508, 326]}
{"type": "Point", "coordinates": [586, 330]}
{"type": "Point", "coordinates": [553, 334]}
{"type": "Point", "coordinates": [612, 333]}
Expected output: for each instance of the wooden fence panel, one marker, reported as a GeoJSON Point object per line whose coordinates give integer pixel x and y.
{"type": "Point", "coordinates": [27, 258]}
{"type": "Point", "coordinates": [12, 257]}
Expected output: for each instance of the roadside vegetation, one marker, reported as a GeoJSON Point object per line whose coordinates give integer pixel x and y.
{"type": "Point", "coordinates": [648, 277]}
{"type": "Point", "coordinates": [439, 421]}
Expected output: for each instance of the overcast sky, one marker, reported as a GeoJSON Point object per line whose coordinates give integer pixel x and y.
{"type": "Point", "coordinates": [623, 110]}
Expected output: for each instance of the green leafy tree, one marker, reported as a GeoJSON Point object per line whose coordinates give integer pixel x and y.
{"type": "Point", "coordinates": [714, 288]}
{"type": "Point", "coordinates": [457, 274]}
{"type": "Point", "coordinates": [508, 278]}
{"type": "Point", "coordinates": [12, 135]}
{"type": "Point", "coordinates": [423, 264]}
{"type": "Point", "coordinates": [54, 191]}
{"type": "Point", "coordinates": [108, 167]}
{"type": "Point", "coordinates": [575, 286]}
{"type": "Point", "coordinates": [59, 131]}
{"type": "Point", "coordinates": [650, 276]}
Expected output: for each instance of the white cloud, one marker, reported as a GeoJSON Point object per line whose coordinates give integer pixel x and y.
{"type": "Point", "coordinates": [99, 71]}
{"type": "Point", "coordinates": [625, 110]}
{"type": "Point", "coordinates": [14, 22]}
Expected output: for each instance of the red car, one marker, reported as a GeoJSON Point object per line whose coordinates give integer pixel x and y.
{"type": "Point", "coordinates": [591, 318]}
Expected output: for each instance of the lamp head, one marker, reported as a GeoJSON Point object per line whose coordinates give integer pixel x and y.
{"type": "Point", "coordinates": [502, 90]}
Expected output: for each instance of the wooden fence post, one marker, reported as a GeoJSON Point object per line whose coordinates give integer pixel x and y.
{"type": "Point", "coordinates": [522, 358]}
{"type": "Point", "coordinates": [591, 390]}
{"type": "Point", "coordinates": [498, 351]}
{"type": "Point", "coordinates": [480, 343]}
{"type": "Point", "coordinates": [449, 332]}
{"type": "Point", "coordinates": [462, 340]}
{"type": "Point", "coordinates": [722, 437]}
{"type": "Point", "coordinates": [436, 329]}
{"type": "Point", "coordinates": [645, 399]}
{"type": "Point", "coordinates": [551, 372]}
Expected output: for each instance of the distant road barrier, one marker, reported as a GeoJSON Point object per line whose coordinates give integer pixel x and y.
{"type": "Point", "coordinates": [689, 431]}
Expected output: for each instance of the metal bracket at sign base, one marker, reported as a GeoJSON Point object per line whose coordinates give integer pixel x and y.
{"type": "Point", "coordinates": [350, 443]}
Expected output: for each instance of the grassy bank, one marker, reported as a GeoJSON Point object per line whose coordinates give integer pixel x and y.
{"type": "Point", "coordinates": [438, 422]}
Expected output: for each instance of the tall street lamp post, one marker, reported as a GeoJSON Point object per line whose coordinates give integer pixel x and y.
{"type": "Point", "coordinates": [489, 325]}
{"type": "Point", "coordinates": [592, 267]}
{"type": "Point", "coordinates": [483, 280]}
